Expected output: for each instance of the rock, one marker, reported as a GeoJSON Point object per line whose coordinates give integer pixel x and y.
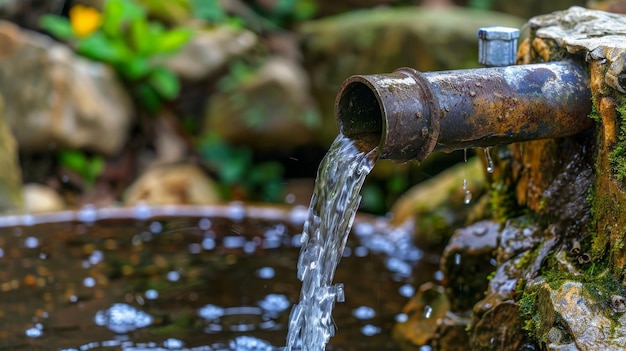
{"type": "Point", "coordinates": [59, 99]}
{"type": "Point", "coordinates": [467, 261]}
{"type": "Point", "coordinates": [500, 329]}
{"type": "Point", "coordinates": [580, 320]}
{"type": "Point", "coordinates": [381, 40]}
{"type": "Point", "coordinates": [270, 110]}
{"type": "Point", "coordinates": [180, 184]}
{"type": "Point", "coordinates": [39, 198]}
{"type": "Point", "coordinates": [10, 177]}
{"type": "Point", "coordinates": [424, 311]}
{"type": "Point", "coordinates": [209, 51]}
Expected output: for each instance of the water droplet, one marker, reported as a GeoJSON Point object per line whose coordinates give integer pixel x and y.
{"type": "Point", "coordinates": [266, 273]}
{"type": "Point", "coordinates": [89, 282]}
{"type": "Point", "coordinates": [363, 312]}
{"type": "Point", "coordinates": [457, 259]}
{"type": "Point", "coordinates": [407, 290]}
{"type": "Point", "coordinates": [173, 276]}
{"type": "Point", "coordinates": [370, 330]}
{"type": "Point", "coordinates": [467, 198]}
{"type": "Point", "coordinates": [487, 151]}
{"type": "Point", "coordinates": [472, 93]}
{"type": "Point", "coordinates": [428, 311]}
{"type": "Point", "coordinates": [401, 317]}
{"type": "Point", "coordinates": [438, 275]}
{"type": "Point", "coordinates": [208, 244]}
{"type": "Point", "coordinates": [478, 84]}
{"type": "Point", "coordinates": [31, 242]}
{"type": "Point", "coordinates": [151, 294]}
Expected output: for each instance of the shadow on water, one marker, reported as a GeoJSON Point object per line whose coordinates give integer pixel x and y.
{"type": "Point", "coordinates": [223, 282]}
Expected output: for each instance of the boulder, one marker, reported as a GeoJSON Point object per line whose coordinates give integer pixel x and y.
{"type": "Point", "coordinates": [10, 177]}
{"type": "Point", "coordinates": [59, 99]}
{"type": "Point", "coordinates": [39, 198]}
{"type": "Point", "coordinates": [270, 109]}
{"type": "Point", "coordinates": [209, 51]}
{"type": "Point", "coordinates": [177, 184]}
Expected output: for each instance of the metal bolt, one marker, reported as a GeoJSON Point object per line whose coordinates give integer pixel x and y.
{"type": "Point", "coordinates": [497, 46]}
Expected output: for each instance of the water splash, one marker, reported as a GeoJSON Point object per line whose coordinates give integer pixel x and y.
{"type": "Point", "coordinates": [331, 213]}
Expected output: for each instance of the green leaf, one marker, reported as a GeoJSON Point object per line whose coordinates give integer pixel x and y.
{"type": "Point", "coordinates": [148, 97]}
{"type": "Point", "coordinates": [135, 69]}
{"type": "Point", "coordinates": [73, 160]}
{"type": "Point", "coordinates": [140, 33]}
{"type": "Point", "coordinates": [172, 40]}
{"type": "Point", "coordinates": [100, 48]}
{"type": "Point", "coordinates": [94, 168]}
{"type": "Point", "coordinates": [57, 26]}
{"type": "Point", "coordinates": [117, 13]}
{"type": "Point", "coordinates": [164, 82]}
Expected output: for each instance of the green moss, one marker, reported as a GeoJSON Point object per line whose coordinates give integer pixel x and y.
{"type": "Point", "coordinates": [595, 114]}
{"type": "Point", "coordinates": [617, 156]}
{"type": "Point", "coordinates": [502, 202]}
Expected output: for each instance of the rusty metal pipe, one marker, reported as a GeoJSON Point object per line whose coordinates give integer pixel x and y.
{"type": "Point", "coordinates": [408, 114]}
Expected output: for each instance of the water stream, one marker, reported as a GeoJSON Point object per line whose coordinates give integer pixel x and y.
{"type": "Point", "coordinates": [333, 206]}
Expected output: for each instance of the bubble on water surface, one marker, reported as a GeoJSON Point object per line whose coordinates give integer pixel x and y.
{"type": "Point", "coordinates": [122, 318]}
{"type": "Point", "coordinates": [370, 330]}
{"type": "Point", "coordinates": [204, 224]}
{"type": "Point", "coordinates": [173, 276]}
{"type": "Point", "coordinates": [34, 332]}
{"type": "Point", "coordinates": [363, 312]}
{"type": "Point", "coordinates": [151, 294]}
{"type": "Point", "coordinates": [31, 242]}
{"type": "Point", "coordinates": [266, 273]}
{"type": "Point", "coordinates": [275, 303]}
{"type": "Point", "coordinates": [211, 312]}
{"type": "Point", "coordinates": [156, 227]}
{"type": "Point", "coordinates": [89, 282]}
{"type": "Point", "coordinates": [407, 290]}
{"type": "Point", "coordinates": [249, 343]}
{"type": "Point", "coordinates": [173, 344]}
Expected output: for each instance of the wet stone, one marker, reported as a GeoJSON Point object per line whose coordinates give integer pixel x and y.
{"type": "Point", "coordinates": [424, 312]}
{"type": "Point", "coordinates": [499, 329]}
{"type": "Point", "coordinates": [589, 324]}
{"type": "Point", "coordinates": [467, 261]}
{"type": "Point", "coordinates": [515, 239]}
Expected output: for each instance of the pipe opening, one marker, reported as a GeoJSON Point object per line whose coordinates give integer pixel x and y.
{"type": "Point", "coordinates": [359, 114]}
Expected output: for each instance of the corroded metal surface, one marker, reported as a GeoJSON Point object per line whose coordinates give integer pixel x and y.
{"type": "Point", "coordinates": [599, 35]}
{"type": "Point", "coordinates": [408, 114]}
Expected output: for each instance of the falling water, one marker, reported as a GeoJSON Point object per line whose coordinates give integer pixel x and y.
{"type": "Point", "coordinates": [331, 213]}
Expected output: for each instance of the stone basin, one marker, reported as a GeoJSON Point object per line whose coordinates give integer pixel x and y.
{"type": "Point", "coordinates": [190, 278]}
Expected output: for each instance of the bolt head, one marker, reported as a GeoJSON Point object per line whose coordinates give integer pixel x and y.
{"type": "Point", "coordinates": [497, 46]}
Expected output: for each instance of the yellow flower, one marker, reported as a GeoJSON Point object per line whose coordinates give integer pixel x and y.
{"type": "Point", "coordinates": [84, 20]}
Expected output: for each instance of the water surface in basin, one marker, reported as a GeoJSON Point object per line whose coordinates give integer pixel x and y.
{"type": "Point", "coordinates": [192, 283]}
